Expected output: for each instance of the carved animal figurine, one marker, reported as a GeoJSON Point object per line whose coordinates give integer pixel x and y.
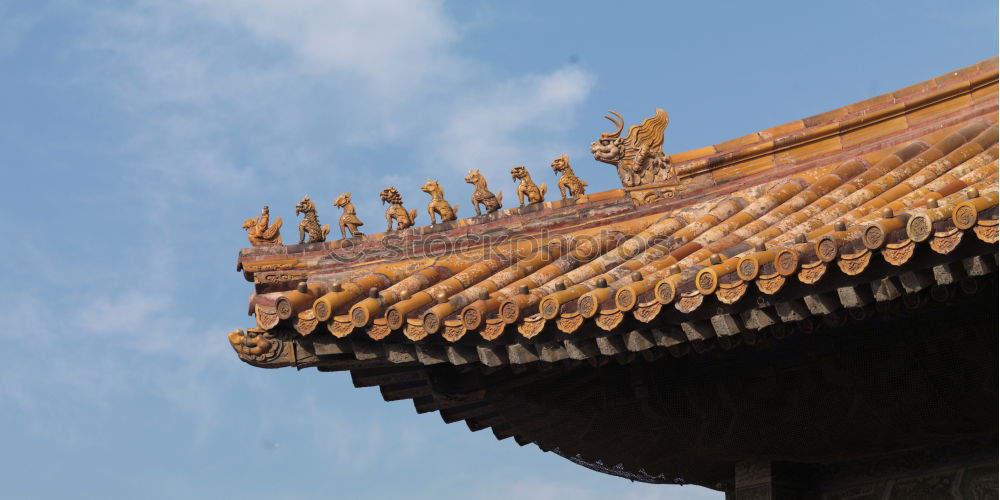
{"type": "Point", "coordinates": [638, 156]}
{"type": "Point", "coordinates": [403, 218]}
{"type": "Point", "coordinates": [259, 233]}
{"type": "Point", "coordinates": [349, 219]}
{"type": "Point", "coordinates": [527, 188]}
{"type": "Point", "coordinates": [482, 195]}
{"type": "Point", "coordinates": [310, 223]}
{"type": "Point", "coordinates": [569, 182]}
{"type": "Point", "coordinates": [438, 206]}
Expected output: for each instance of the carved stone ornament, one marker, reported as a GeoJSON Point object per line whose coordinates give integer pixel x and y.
{"type": "Point", "coordinates": [569, 184]}
{"type": "Point", "coordinates": [854, 263]}
{"type": "Point", "coordinates": [254, 266]}
{"type": "Point", "coordinates": [608, 321]}
{"type": "Point", "coordinates": [269, 277]}
{"type": "Point", "coordinates": [645, 171]}
{"type": "Point", "coordinates": [493, 329]}
{"type": "Point", "coordinates": [378, 330]}
{"type": "Point", "coordinates": [731, 292]}
{"type": "Point", "coordinates": [305, 322]}
{"type": "Point", "coordinates": [256, 347]}
{"type": "Point", "coordinates": [266, 316]}
{"type": "Point", "coordinates": [770, 283]}
{"type": "Point", "coordinates": [404, 218]}
{"type": "Point", "coordinates": [527, 188]}
{"type": "Point", "coordinates": [340, 326]}
{"type": "Point", "coordinates": [262, 349]}
{"type": "Point", "coordinates": [482, 195]}
{"type": "Point", "coordinates": [812, 272]}
{"type": "Point", "coordinates": [310, 222]}
{"type": "Point", "coordinates": [569, 323]}
{"type": "Point", "coordinates": [260, 233]}
{"type": "Point", "coordinates": [454, 330]}
{"type": "Point", "coordinates": [986, 231]}
{"type": "Point", "coordinates": [438, 206]}
{"type": "Point", "coordinates": [530, 327]}
{"type": "Point", "coordinates": [899, 253]}
{"type": "Point", "coordinates": [944, 242]}
{"type": "Point", "coordinates": [689, 301]}
{"type": "Point", "coordinates": [349, 220]}
{"type": "Point", "coordinates": [648, 312]}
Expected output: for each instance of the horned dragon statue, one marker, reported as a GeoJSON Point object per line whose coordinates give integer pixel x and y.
{"type": "Point", "coordinates": [639, 157]}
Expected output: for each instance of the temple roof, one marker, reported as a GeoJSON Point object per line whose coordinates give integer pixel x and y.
{"type": "Point", "coordinates": [878, 201]}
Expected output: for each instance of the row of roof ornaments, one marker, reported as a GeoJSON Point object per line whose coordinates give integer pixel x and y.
{"type": "Point", "coordinates": [795, 227]}
{"type": "Point", "coordinates": [261, 233]}
{"type": "Point", "coordinates": [639, 157]}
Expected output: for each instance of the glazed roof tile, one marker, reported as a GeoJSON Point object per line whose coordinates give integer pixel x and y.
{"type": "Point", "coordinates": [750, 242]}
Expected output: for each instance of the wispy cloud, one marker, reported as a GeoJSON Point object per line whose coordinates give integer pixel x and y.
{"type": "Point", "coordinates": [237, 93]}
{"type": "Point", "coordinates": [514, 122]}
{"type": "Point", "coordinates": [227, 100]}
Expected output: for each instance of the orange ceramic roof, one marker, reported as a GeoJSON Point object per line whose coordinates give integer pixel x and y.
{"type": "Point", "coordinates": [857, 206]}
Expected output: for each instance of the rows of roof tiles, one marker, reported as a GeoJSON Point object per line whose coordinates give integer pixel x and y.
{"type": "Point", "coordinates": [978, 80]}
{"type": "Point", "coordinates": [855, 129]}
{"type": "Point", "coordinates": [789, 227]}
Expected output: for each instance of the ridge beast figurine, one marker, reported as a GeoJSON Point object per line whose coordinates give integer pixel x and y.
{"type": "Point", "coordinates": [403, 218]}
{"type": "Point", "coordinates": [349, 219]}
{"type": "Point", "coordinates": [310, 222]}
{"type": "Point", "coordinates": [527, 188]}
{"type": "Point", "coordinates": [639, 157]}
{"type": "Point", "coordinates": [569, 182]}
{"type": "Point", "coordinates": [482, 195]}
{"type": "Point", "coordinates": [259, 233]}
{"type": "Point", "coordinates": [438, 205]}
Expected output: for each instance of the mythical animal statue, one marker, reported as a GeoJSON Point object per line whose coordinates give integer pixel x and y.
{"type": "Point", "coordinates": [569, 182]}
{"type": "Point", "coordinates": [403, 218]}
{"type": "Point", "coordinates": [527, 188]}
{"type": "Point", "coordinates": [438, 206]}
{"type": "Point", "coordinates": [638, 156]}
{"type": "Point", "coordinates": [259, 233]}
{"type": "Point", "coordinates": [482, 195]}
{"type": "Point", "coordinates": [310, 223]}
{"type": "Point", "coordinates": [349, 219]}
{"type": "Point", "coordinates": [265, 350]}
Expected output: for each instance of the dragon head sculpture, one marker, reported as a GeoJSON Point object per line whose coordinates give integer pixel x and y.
{"type": "Point", "coordinates": [342, 200]}
{"type": "Point", "coordinates": [518, 173]}
{"type": "Point", "coordinates": [431, 186]}
{"type": "Point", "coordinates": [560, 164]}
{"type": "Point", "coordinates": [305, 206]}
{"type": "Point", "coordinates": [639, 155]}
{"type": "Point", "coordinates": [474, 177]}
{"type": "Point", "coordinates": [391, 196]}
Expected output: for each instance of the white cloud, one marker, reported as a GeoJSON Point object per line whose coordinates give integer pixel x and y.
{"type": "Point", "coordinates": [224, 101]}
{"type": "Point", "coordinates": [513, 122]}
{"type": "Point", "coordinates": [127, 314]}
{"type": "Point", "coordinates": [392, 45]}
{"type": "Point", "coordinates": [235, 92]}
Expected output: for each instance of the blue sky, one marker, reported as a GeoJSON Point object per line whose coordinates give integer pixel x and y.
{"type": "Point", "coordinates": [135, 137]}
